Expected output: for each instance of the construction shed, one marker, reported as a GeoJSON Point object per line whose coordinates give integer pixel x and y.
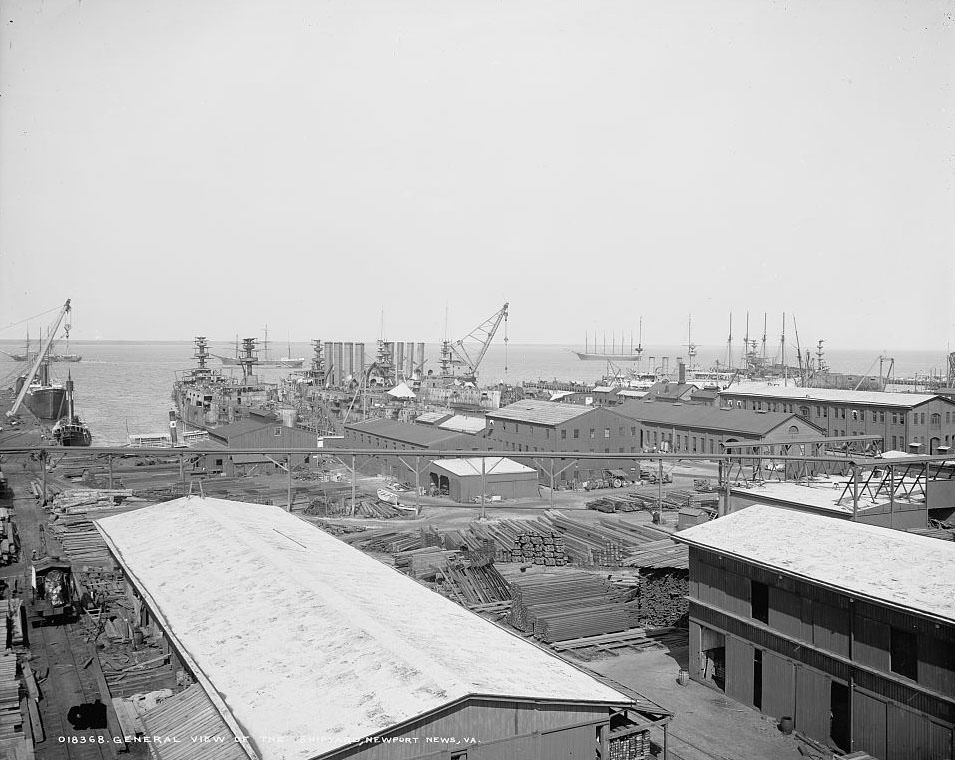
{"type": "Point", "coordinates": [462, 479]}
{"type": "Point", "coordinates": [310, 649]}
{"type": "Point", "coordinates": [846, 629]}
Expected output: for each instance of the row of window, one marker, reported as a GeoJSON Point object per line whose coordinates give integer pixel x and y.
{"type": "Point", "coordinates": [918, 418]}
{"type": "Point", "coordinates": [903, 645]}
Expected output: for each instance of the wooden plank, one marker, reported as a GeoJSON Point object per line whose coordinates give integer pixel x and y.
{"type": "Point", "coordinates": [36, 725]}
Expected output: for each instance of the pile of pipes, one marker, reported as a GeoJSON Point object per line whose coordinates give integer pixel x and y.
{"type": "Point", "coordinates": [570, 605]}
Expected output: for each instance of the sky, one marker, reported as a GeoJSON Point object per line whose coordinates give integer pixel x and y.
{"type": "Point", "coordinates": [329, 168]}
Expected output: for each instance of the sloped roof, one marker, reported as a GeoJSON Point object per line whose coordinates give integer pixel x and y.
{"type": "Point", "coordinates": [492, 466]}
{"type": "Point", "coordinates": [541, 412]}
{"type": "Point", "coordinates": [404, 432]}
{"type": "Point", "coordinates": [401, 391]}
{"type": "Point", "coordinates": [891, 566]}
{"type": "Point", "coordinates": [331, 646]}
{"type": "Point", "coordinates": [190, 714]}
{"type": "Point", "coordinates": [736, 421]}
{"type": "Point", "coordinates": [432, 418]}
{"type": "Point", "coordinates": [829, 395]}
{"type": "Point", "coordinates": [241, 427]}
{"type": "Point", "coordinates": [463, 423]}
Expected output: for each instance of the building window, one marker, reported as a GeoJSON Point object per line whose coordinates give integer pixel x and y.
{"type": "Point", "coordinates": [936, 419]}
{"type": "Point", "coordinates": [633, 430]}
{"type": "Point", "coordinates": [759, 599]}
{"type": "Point", "coordinates": [563, 435]}
{"type": "Point", "coordinates": [517, 428]}
{"type": "Point", "coordinates": [881, 416]}
{"type": "Point", "coordinates": [895, 418]}
{"type": "Point", "coordinates": [903, 650]}
{"type": "Point", "coordinates": [606, 432]}
{"type": "Point", "coordinates": [593, 433]}
{"type": "Point", "coordinates": [576, 433]}
{"type": "Point", "coordinates": [277, 432]}
{"type": "Point", "coordinates": [547, 433]}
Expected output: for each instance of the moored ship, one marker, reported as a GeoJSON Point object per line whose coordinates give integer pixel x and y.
{"type": "Point", "coordinates": [71, 430]}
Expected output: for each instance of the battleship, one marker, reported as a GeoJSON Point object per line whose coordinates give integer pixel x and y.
{"type": "Point", "coordinates": [265, 360]}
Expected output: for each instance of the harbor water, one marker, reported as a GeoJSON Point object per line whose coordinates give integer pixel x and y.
{"type": "Point", "coordinates": [125, 387]}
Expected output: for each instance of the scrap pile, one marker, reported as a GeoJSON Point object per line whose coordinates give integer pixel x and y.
{"type": "Point", "coordinates": [557, 607]}
{"type": "Point", "coordinates": [663, 596]}
{"type": "Point", "coordinates": [81, 542]}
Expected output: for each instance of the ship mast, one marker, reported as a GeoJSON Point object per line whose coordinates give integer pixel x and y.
{"type": "Point", "coordinates": [40, 358]}
{"type": "Point", "coordinates": [690, 345]}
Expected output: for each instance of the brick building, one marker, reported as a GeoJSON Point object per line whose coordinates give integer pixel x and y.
{"type": "Point", "coordinates": [919, 422]}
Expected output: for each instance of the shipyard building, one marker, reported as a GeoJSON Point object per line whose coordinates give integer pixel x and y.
{"type": "Point", "coordinates": [334, 655]}
{"type": "Point", "coordinates": [845, 630]}
{"type": "Point", "coordinates": [918, 422]}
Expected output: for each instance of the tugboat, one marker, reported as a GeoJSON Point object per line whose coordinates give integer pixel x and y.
{"type": "Point", "coordinates": [71, 430]}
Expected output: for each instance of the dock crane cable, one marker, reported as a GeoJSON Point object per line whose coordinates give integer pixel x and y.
{"type": "Point", "coordinates": [505, 341]}
{"type": "Point", "coordinates": [30, 319]}
{"type": "Point", "coordinates": [484, 333]}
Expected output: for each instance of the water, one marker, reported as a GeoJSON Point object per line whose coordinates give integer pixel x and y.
{"type": "Point", "coordinates": [125, 387]}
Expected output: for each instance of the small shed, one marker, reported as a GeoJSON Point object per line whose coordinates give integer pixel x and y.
{"type": "Point", "coordinates": [690, 516]}
{"type": "Point", "coordinates": [463, 479]}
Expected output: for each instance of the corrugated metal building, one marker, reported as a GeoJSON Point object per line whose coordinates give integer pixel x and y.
{"type": "Point", "coordinates": [258, 432]}
{"type": "Point", "coordinates": [327, 653]}
{"type": "Point", "coordinates": [847, 628]}
{"type": "Point", "coordinates": [902, 419]}
{"type": "Point", "coordinates": [463, 479]}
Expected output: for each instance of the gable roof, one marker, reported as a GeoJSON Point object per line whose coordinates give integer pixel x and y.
{"type": "Point", "coordinates": [890, 566]}
{"type": "Point", "coordinates": [324, 652]}
{"type": "Point", "coordinates": [492, 466]}
{"type": "Point", "coordinates": [404, 432]}
{"type": "Point", "coordinates": [737, 421]}
{"type": "Point", "coordinates": [233, 429]}
{"type": "Point", "coordinates": [463, 423]}
{"type": "Point", "coordinates": [540, 412]}
{"type": "Point", "coordinates": [829, 395]}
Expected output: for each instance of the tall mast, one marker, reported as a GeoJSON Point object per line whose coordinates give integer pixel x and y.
{"type": "Point", "coordinates": [782, 350]}
{"type": "Point", "coordinates": [729, 345]}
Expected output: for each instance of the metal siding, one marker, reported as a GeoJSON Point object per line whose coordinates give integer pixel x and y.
{"type": "Point", "coordinates": [936, 664]}
{"type": "Point", "coordinates": [779, 685]}
{"type": "Point", "coordinates": [525, 747]}
{"type": "Point", "coordinates": [813, 694]}
{"type": "Point", "coordinates": [912, 736]}
{"type": "Point", "coordinates": [695, 651]}
{"type": "Point", "coordinates": [868, 724]}
{"type": "Point", "coordinates": [830, 628]}
{"type": "Point", "coordinates": [739, 670]}
{"type": "Point", "coordinates": [871, 643]}
{"type": "Point", "coordinates": [570, 744]}
{"type": "Point", "coordinates": [785, 614]}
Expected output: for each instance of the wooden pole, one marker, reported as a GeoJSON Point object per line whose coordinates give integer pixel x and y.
{"type": "Point", "coordinates": [891, 496]}
{"type": "Point", "coordinates": [43, 465]}
{"type": "Point", "coordinates": [353, 485]}
{"type": "Point", "coordinates": [855, 492]}
{"type": "Point", "coordinates": [109, 464]}
{"type": "Point", "coordinates": [417, 484]}
{"type": "Point", "coordinates": [552, 482]}
{"type": "Point", "coordinates": [483, 489]}
{"type": "Point", "coordinates": [288, 464]}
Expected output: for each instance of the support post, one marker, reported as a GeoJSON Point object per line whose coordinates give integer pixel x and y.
{"type": "Point", "coordinates": [109, 465]}
{"type": "Point", "coordinates": [288, 465]}
{"type": "Point", "coordinates": [891, 496]}
{"type": "Point", "coordinates": [417, 485]}
{"type": "Point", "coordinates": [552, 482]}
{"type": "Point", "coordinates": [855, 492]}
{"type": "Point", "coordinates": [660, 488]}
{"type": "Point", "coordinates": [483, 488]}
{"type": "Point", "coordinates": [353, 485]}
{"type": "Point", "coordinates": [182, 472]}
{"type": "Point", "coordinates": [43, 465]}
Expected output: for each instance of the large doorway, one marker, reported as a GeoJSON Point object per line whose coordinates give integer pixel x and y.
{"type": "Point", "coordinates": [713, 658]}
{"type": "Point", "coordinates": [839, 726]}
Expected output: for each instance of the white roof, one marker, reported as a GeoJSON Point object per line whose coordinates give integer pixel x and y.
{"type": "Point", "coordinates": [630, 393]}
{"type": "Point", "coordinates": [328, 645]}
{"type": "Point", "coordinates": [401, 391]}
{"type": "Point", "coordinates": [464, 424]}
{"type": "Point", "coordinates": [794, 393]}
{"type": "Point", "coordinates": [821, 494]}
{"type": "Point", "coordinates": [890, 566]}
{"type": "Point", "coordinates": [492, 466]}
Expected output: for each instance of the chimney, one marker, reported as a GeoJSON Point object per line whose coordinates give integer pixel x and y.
{"type": "Point", "coordinates": [682, 370]}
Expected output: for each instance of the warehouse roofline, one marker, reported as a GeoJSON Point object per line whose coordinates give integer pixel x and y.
{"type": "Point", "coordinates": [377, 667]}
{"type": "Point", "coordinates": [830, 395]}
{"type": "Point", "coordinates": [887, 566]}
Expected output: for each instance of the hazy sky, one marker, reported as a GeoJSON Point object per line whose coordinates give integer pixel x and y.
{"type": "Point", "coordinates": [181, 167]}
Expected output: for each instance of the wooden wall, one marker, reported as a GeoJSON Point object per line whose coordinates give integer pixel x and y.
{"type": "Point", "coordinates": [526, 728]}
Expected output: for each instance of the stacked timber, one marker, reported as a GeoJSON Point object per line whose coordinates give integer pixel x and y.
{"type": "Point", "coordinates": [681, 499]}
{"type": "Point", "coordinates": [473, 583]}
{"type": "Point", "coordinates": [663, 597]}
{"type": "Point", "coordinates": [425, 562]}
{"type": "Point", "coordinates": [379, 510]}
{"type": "Point", "coordinates": [567, 606]}
{"type": "Point", "coordinates": [9, 539]}
{"type": "Point", "coordinates": [83, 500]}
{"type": "Point", "coordinates": [626, 502]}
{"type": "Point", "coordinates": [665, 553]}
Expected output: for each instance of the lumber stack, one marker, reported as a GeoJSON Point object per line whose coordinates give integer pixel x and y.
{"type": "Point", "coordinates": [663, 596]}
{"type": "Point", "coordinates": [11, 717]}
{"type": "Point", "coordinates": [473, 583]}
{"type": "Point", "coordinates": [425, 562]}
{"type": "Point", "coordinates": [567, 606]}
{"type": "Point", "coordinates": [665, 553]}
{"type": "Point", "coordinates": [82, 500]}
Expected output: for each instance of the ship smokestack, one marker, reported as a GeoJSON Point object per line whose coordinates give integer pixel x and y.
{"type": "Point", "coordinates": [681, 370]}
{"type": "Point", "coordinates": [173, 435]}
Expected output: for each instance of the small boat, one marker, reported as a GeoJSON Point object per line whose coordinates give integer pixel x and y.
{"type": "Point", "coordinates": [390, 497]}
{"type": "Point", "coordinates": [71, 430]}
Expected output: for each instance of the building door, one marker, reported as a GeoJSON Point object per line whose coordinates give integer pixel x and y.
{"type": "Point", "coordinates": [739, 670]}
{"type": "Point", "coordinates": [813, 701]}
{"type": "Point", "coordinates": [779, 685]}
{"type": "Point", "coordinates": [840, 726]}
{"type": "Point", "coordinates": [869, 719]}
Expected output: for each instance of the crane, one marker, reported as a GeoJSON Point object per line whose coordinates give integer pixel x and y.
{"type": "Point", "coordinates": [38, 360]}
{"type": "Point", "coordinates": [484, 333]}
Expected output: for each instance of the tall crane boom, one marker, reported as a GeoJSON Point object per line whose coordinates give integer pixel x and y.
{"type": "Point", "coordinates": [483, 334]}
{"type": "Point", "coordinates": [41, 355]}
